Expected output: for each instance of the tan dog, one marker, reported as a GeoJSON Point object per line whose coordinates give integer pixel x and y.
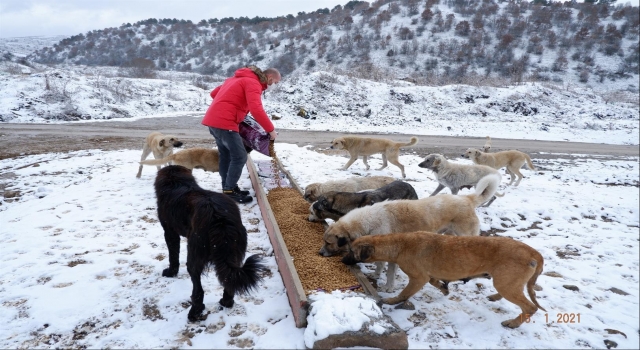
{"type": "Point", "coordinates": [160, 145]}
{"type": "Point", "coordinates": [429, 257]}
{"type": "Point", "coordinates": [366, 146]}
{"type": "Point", "coordinates": [487, 144]}
{"type": "Point", "coordinates": [513, 160]}
{"type": "Point", "coordinates": [353, 184]}
{"type": "Point", "coordinates": [445, 213]}
{"type": "Point", "coordinates": [193, 158]}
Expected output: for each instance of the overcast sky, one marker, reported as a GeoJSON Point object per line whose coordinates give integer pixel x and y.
{"type": "Point", "coordinates": [71, 17]}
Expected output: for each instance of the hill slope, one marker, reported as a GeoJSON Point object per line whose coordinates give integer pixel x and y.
{"type": "Point", "coordinates": [431, 42]}
{"type": "Point", "coordinates": [327, 101]}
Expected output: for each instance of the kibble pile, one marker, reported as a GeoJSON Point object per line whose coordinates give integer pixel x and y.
{"type": "Point", "coordinates": [304, 239]}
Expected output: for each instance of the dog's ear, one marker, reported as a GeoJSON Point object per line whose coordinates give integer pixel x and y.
{"type": "Point", "coordinates": [349, 258]}
{"type": "Point", "coordinates": [477, 153]}
{"type": "Point", "coordinates": [162, 143]}
{"type": "Point", "coordinates": [364, 252]}
{"type": "Point", "coordinates": [436, 161]}
{"type": "Point", "coordinates": [342, 242]}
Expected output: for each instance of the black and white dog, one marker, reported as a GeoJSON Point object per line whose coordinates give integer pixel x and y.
{"type": "Point", "coordinates": [334, 205]}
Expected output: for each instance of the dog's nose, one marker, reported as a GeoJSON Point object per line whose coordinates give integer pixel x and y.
{"type": "Point", "coordinates": [323, 252]}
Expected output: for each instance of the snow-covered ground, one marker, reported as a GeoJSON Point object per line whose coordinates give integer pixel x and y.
{"type": "Point", "coordinates": [330, 102]}
{"type": "Point", "coordinates": [83, 255]}
{"type": "Point", "coordinates": [83, 251]}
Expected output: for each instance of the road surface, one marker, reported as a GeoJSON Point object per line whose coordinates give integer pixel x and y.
{"type": "Point", "coordinates": [27, 139]}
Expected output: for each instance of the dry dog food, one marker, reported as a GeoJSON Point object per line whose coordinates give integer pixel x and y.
{"type": "Point", "coordinates": [304, 239]}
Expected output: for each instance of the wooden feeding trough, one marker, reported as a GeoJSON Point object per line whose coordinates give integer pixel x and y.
{"type": "Point", "coordinates": [272, 175]}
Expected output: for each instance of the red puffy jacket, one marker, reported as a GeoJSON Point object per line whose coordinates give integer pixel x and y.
{"type": "Point", "coordinates": [236, 97]}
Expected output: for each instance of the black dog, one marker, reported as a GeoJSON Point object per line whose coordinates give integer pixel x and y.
{"type": "Point", "coordinates": [211, 222]}
{"type": "Point", "coordinates": [334, 205]}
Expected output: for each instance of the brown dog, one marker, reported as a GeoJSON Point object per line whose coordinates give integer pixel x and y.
{"type": "Point", "coordinates": [193, 158]}
{"type": "Point", "coordinates": [353, 184]}
{"type": "Point", "coordinates": [160, 145]}
{"type": "Point", "coordinates": [445, 213]}
{"type": "Point", "coordinates": [429, 257]}
{"type": "Point", "coordinates": [366, 146]}
{"type": "Point", "coordinates": [513, 160]}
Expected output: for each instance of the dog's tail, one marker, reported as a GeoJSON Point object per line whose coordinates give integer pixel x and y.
{"type": "Point", "coordinates": [529, 163]}
{"type": "Point", "coordinates": [220, 239]}
{"type": "Point", "coordinates": [157, 161]}
{"type": "Point", "coordinates": [241, 279]}
{"type": "Point", "coordinates": [532, 282]}
{"type": "Point", "coordinates": [412, 142]}
{"type": "Point", "coordinates": [485, 189]}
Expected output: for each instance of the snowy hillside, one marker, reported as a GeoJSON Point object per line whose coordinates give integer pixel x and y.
{"type": "Point", "coordinates": [435, 42]}
{"type": "Point", "coordinates": [44, 94]}
{"type": "Point", "coordinates": [326, 101]}
{"type": "Point", "coordinates": [24, 46]}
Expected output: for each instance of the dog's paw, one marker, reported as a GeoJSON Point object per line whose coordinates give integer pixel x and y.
{"type": "Point", "coordinates": [407, 305]}
{"type": "Point", "coordinates": [392, 301]}
{"type": "Point", "coordinates": [226, 303]}
{"type": "Point", "coordinates": [386, 288]}
{"type": "Point", "coordinates": [444, 287]}
{"type": "Point", "coordinates": [515, 323]}
{"type": "Point", "coordinates": [169, 272]}
{"type": "Point", "coordinates": [196, 313]}
{"type": "Point", "coordinates": [494, 297]}
{"type": "Point", "coordinates": [198, 318]}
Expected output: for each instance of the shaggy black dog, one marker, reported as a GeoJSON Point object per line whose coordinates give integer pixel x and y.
{"type": "Point", "coordinates": [216, 237]}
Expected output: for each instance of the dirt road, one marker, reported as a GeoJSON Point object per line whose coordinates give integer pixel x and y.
{"type": "Point", "coordinates": [27, 139]}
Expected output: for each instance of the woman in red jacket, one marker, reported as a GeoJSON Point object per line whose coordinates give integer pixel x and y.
{"type": "Point", "coordinates": [232, 100]}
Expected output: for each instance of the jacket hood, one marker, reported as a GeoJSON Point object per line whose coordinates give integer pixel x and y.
{"type": "Point", "coordinates": [252, 71]}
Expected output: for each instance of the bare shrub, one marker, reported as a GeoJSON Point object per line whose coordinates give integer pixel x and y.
{"type": "Point", "coordinates": [57, 88]}
{"type": "Point", "coordinates": [368, 71]}
{"type": "Point", "coordinates": [121, 89]}
{"type": "Point", "coordinates": [201, 82]}
{"type": "Point", "coordinates": [592, 126]}
{"type": "Point", "coordinates": [13, 68]}
{"type": "Point", "coordinates": [583, 76]}
{"type": "Point", "coordinates": [141, 68]}
{"type": "Point", "coordinates": [622, 96]}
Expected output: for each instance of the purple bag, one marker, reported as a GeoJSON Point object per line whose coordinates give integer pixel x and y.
{"type": "Point", "coordinates": [254, 136]}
